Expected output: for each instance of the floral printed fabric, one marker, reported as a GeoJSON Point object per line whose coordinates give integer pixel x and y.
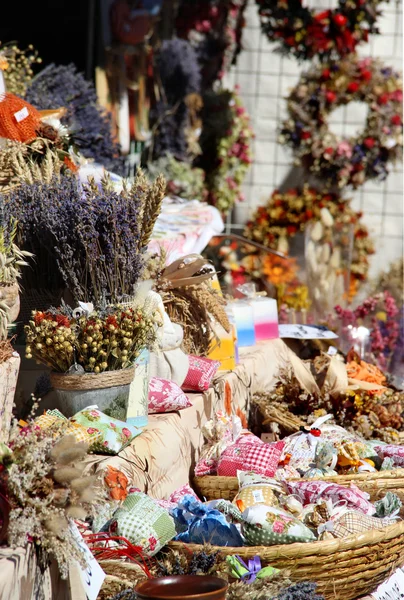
{"type": "Point", "coordinates": [268, 526]}
{"type": "Point", "coordinates": [200, 373]}
{"type": "Point", "coordinates": [115, 434]}
{"type": "Point", "coordinates": [144, 523]}
{"type": "Point", "coordinates": [311, 492]}
{"type": "Point", "coordinates": [166, 396]}
{"type": "Point", "coordinates": [260, 458]}
{"type": "Point", "coordinates": [392, 451]}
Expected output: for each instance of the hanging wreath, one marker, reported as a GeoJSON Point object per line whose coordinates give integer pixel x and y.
{"type": "Point", "coordinates": [346, 161]}
{"type": "Point", "coordinates": [305, 33]}
{"type": "Point", "coordinates": [287, 214]}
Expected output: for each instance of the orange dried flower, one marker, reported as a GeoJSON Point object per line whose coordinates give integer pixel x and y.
{"type": "Point", "coordinates": [363, 371]}
{"type": "Point", "coordinates": [228, 400]}
{"type": "Point", "coordinates": [243, 418]}
{"type": "Point", "coordinates": [117, 483]}
{"type": "Point", "coordinates": [279, 270]}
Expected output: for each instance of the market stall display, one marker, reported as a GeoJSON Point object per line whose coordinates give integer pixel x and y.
{"type": "Point", "coordinates": [171, 438]}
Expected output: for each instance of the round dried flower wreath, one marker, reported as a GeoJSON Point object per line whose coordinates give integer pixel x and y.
{"type": "Point", "coordinates": [337, 160]}
{"type": "Point", "coordinates": [287, 214]}
{"type": "Point", "coordinates": [305, 33]}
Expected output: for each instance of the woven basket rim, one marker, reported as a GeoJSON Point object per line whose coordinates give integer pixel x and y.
{"type": "Point", "coordinates": [212, 481]}
{"type": "Point", "coordinates": [91, 381]}
{"type": "Point", "coordinates": [304, 549]}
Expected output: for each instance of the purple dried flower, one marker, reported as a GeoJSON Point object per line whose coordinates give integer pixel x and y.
{"type": "Point", "coordinates": [90, 125]}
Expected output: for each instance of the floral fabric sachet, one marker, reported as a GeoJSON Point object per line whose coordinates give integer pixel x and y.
{"type": "Point", "coordinates": [311, 492]}
{"type": "Point", "coordinates": [82, 434]}
{"type": "Point", "coordinates": [269, 525]}
{"type": "Point", "coordinates": [391, 451]}
{"type": "Point", "coordinates": [166, 396]}
{"type": "Point", "coordinates": [256, 489]}
{"type": "Point", "coordinates": [144, 523]}
{"type": "Point", "coordinates": [115, 434]}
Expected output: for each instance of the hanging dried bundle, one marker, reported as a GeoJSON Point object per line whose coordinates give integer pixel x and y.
{"type": "Point", "coordinates": [191, 301]}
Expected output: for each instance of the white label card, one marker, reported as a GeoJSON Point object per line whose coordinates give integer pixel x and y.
{"type": "Point", "coordinates": [392, 589]}
{"type": "Point", "coordinates": [93, 576]}
{"type": "Point", "coordinates": [21, 114]}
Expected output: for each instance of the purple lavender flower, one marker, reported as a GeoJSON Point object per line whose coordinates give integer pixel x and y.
{"type": "Point", "coordinates": [90, 125]}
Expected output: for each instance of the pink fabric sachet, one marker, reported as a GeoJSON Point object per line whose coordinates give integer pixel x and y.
{"type": "Point", "coordinates": [200, 373]}
{"type": "Point", "coordinates": [259, 458]}
{"type": "Point", "coordinates": [166, 396]}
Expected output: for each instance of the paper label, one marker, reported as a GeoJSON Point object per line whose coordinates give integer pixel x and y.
{"type": "Point", "coordinates": [93, 576]}
{"type": "Point", "coordinates": [258, 495]}
{"type": "Point", "coordinates": [21, 114]}
{"type": "Point", "coordinates": [392, 589]}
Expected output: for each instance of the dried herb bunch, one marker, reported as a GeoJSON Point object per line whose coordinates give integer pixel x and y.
{"type": "Point", "coordinates": [37, 161]}
{"type": "Point", "coordinates": [99, 341]}
{"type": "Point", "coordinates": [191, 301]}
{"type": "Point", "coordinates": [11, 257]}
{"type": "Point", "coordinates": [17, 66]}
{"type": "Point", "coordinates": [90, 126]}
{"type": "Point", "coordinates": [376, 414]}
{"type": "Point", "coordinates": [44, 484]}
{"type": "Point", "coordinates": [95, 235]}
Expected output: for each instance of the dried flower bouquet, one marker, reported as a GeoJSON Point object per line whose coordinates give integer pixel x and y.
{"type": "Point", "coordinates": [98, 341]}
{"type": "Point", "coordinates": [41, 477]}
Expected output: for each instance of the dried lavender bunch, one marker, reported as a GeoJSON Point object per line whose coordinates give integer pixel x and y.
{"type": "Point", "coordinates": [45, 488]}
{"type": "Point", "coordinates": [88, 122]}
{"type": "Point", "coordinates": [178, 69]}
{"type": "Point", "coordinates": [92, 238]}
{"type": "Point", "coordinates": [300, 591]}
{"type": "Point", "coordinates": [179, 74]}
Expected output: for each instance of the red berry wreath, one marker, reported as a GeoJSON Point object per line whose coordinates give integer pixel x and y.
{"type": "Point", "coordinates": [305, 33]}
{"type": "Point", "coordinates": [336, 160]}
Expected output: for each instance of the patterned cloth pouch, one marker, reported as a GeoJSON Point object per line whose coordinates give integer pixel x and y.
{"type": "Point", "coordinates": [200, 373]}
{"type": "Point", "coordinates": [391, 451]}
{"type": "Point", "coordinates": [256, 489]}
{"type": "Point", "coordinates": [260, 458]}
{"type": "Point", "coordinates": [269, 525]}
{"type": "Point", "coordinates": [345, 441]}
{"type": "Point", "coordinates": [200, 524]}
{"type": "Point", "coordinates": [218, 433]}
{"type": "Point", "coordinates": [144, 523]}
{"type": "Point", "coordinates": [115, 434]}
{"type": "Point", "coordinates": [324, 462]}
{"type": "Point", "coordinates": [311, 492]}
{"type": "Point", "coordinates": [81, 433]}
{"type": "Point", "coordinates": [351, 522]}
{"type": "Point", "coordinates": [300, 450]}
{"type": "Point", "coordinates": [166, 396]}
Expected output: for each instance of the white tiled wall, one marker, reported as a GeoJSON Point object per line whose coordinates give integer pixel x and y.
{"type": "Point", "coordinates": [265, 78]}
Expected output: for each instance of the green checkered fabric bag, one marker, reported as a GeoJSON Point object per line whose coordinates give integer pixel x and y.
{"type": "Point", "coordinates": [144, 523]}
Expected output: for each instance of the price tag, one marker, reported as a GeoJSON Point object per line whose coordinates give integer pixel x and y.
{"type": "Point", "coordinates": [21, 114]}
{"type": "Point", "coordinates": [392, 589]}
{"type": "Point", "coordinates": [92, 576]}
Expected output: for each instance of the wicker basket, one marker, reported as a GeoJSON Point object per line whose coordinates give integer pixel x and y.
{"type": "Point", "coordinates": [120, 575]}
{"type": "Point", "coordinates": [92, 381]}
{"type": "Point", "coordinates": [214, 487]}
{"type": "Point", "coordinates": [344, 569]}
